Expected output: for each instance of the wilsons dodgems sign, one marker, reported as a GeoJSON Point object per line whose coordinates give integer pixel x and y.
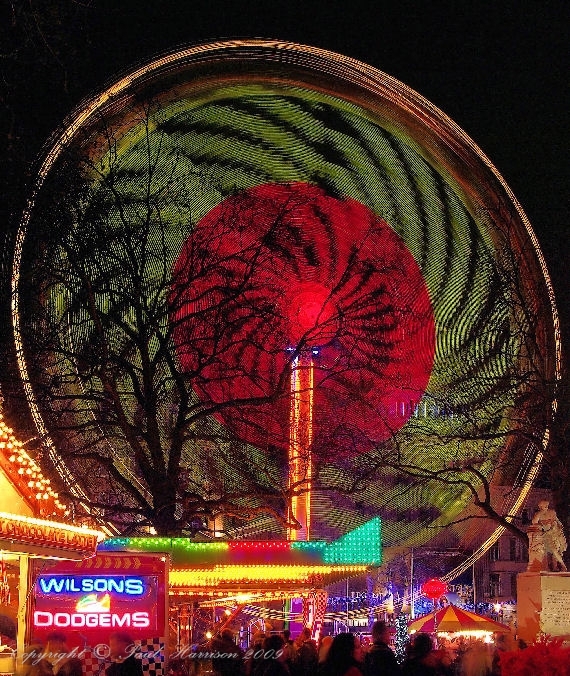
{"type": "Point", "coordinates": [60, 584]}
{"type": "Point", "coordinates": [97, 596]}
{"type": "Point", "coordinates": [90, 601]}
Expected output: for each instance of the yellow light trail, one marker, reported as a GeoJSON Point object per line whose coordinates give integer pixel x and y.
{"type": "Point", "coordinates": [200, 577]}
{"type": "Point", "coordinates": [300, 439]}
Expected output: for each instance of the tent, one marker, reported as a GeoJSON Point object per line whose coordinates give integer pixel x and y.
{"type": "Point", "coordinates": [454, 619]}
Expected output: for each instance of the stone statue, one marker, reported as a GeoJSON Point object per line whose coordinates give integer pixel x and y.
{"type": "Point", "coordinates": [548, 525]}
{"type": "Point", "coordinates": [537, 559]}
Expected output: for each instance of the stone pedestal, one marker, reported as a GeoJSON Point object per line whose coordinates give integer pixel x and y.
{"type": "Point", "coordinates": [543, 604]}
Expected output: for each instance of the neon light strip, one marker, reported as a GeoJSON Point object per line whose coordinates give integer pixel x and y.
{"type": "Point", "coordinates": [158, 544]}
{"type": "Point", "coordinates": [361, 546]}
{"type": "Point", "coordinates": [251, 597]}
{"type": "Point", "coordinates": [186, 545]}
{"type": "Point", "coordinates": [249, 545]}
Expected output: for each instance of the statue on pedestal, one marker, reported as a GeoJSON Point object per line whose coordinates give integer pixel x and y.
{"type": "Point", "coordinates": [537, 559]}
{"type": "Point", "coordinates": [546, 538]}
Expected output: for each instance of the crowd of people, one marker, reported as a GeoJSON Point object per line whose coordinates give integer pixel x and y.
{"type": "Point", "coordinates": [277, 654]}
{"type": "Point", "coordinates": [344, 655]}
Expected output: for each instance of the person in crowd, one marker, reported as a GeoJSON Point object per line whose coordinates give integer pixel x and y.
{"type": "Point", "coordinates": [274, 663]}
{"type": "Point", "coordinates": [230, 662]}
{"type": "Point", "coordinates": [35, 664]}
{"type": "Point", "coordinates": [177, 667]}
{"type": "Point", "coordinates": [476, 660]}
{"type": "Point", "coordinates": [307, 657]}
{"type": "Point", "coordinates": [379, 659]}
{"type": "Point", "coordinates": [289, 650]}
{"type": "Point", "coordinates": [40, 668]}
{"type": "Point", "coordinates": [122, 654]}
{"type": "Point", "coordinates": [71, 667]}
{"type": "Point", "coordinates": [500, 648]}
{"type": "Point", "coordinates": [56, 652]}
{"type": "Point", "coordinates": [253, 664]}
{"type": "Point", "coordinates": [324, 647]}
{"type": "Point", "coordinates": [422, 659]}
{"type": "Point", "coordinates": [344, 657]}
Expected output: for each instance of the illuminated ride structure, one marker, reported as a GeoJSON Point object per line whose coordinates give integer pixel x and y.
{"type": "Point", "coordinates": [300, 440]}
{"type": "Point", "coordinates": [239, 575]}
{"type": "Point", "coordinates": [344, 306]}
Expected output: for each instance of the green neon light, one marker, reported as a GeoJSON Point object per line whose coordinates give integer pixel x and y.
{"type": "Point", "coordinates": [161, 544]}
{"type": "Point", "coordinates": [308, 546]}
{"type": "Point", "coordinates": [361, 545]}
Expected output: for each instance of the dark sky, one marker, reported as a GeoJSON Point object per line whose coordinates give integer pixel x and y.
{"type": "Point", "coordinates": [499, 69]}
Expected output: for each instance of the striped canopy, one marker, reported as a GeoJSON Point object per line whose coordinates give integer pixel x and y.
{"type": "Point", "coordinates": [452, 618]}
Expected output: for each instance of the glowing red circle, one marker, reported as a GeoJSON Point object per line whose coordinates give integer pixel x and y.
{"type": "Point", "coordinates": [281, 271]}
{"type": "Point", "coordinates": [308, 308]}
{"type": "Point", "coordinates": [434, 589]}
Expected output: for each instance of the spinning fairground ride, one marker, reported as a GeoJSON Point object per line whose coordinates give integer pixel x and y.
{"type": "Point", "coordinates": [294, 281]}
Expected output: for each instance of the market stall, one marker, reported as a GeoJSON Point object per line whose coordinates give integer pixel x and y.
{"type": "Point", "coordinates": [31, 527]}
{"type": "Point", "coordinates": [454, 620]}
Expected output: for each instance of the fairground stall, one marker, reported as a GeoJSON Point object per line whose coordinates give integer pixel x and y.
{"type": "Point", "coordinates": [173, 594]}
{"type": "Point", "coordinates": [89, 600]}
{"type": "Point", "coordinates": [457, 629]}
{"type": "Point", "coordinates": [32, 527]}
{"type": "Point", "coordinates": [217, 584]}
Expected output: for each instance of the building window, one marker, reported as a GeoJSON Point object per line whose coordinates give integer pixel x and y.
{"type": "Point", "coordinates": [495, 552]}
{"type": "Point", "coordinates": [516, 550]}
{"type": "Point", "coordinates": [513, 585]}
{"type": "Point", "coordinates": [495, 585]}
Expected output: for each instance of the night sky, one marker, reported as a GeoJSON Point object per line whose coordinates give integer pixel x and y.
{"type": "Point", "coordinates": [498, 69]}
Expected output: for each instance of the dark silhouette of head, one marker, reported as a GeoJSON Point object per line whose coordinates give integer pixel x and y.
{"type": "Point", "coordinates": [380, 631]}
{"type": "Point", "coordinates": [421, 645]}
{"type": "Point", "coordinates": [55, 641]}
{"type": "Point", "coordinates": [227, 635]}
{"type": "Point", "coordinates": [273, 642]}
{"type": "Point", "coordinates": [119, 643]}
{"type": "Point", "coordinates": [340, 656]}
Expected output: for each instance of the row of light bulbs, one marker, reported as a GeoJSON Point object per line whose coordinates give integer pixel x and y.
{"type": "Point", "coordinates": [206, 577]}
{"type": "Point", "coordinates": [28, 473]}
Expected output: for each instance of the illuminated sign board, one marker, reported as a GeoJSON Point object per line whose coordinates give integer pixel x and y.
{"type": "Point", "coordinates": [63, 584]}
{"type": "Point", "coordinates": [23, 530]}
{"type": "Point", "coordinates": [45, 618]}
{"type": "Point", "coordinates": [93, 597]}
